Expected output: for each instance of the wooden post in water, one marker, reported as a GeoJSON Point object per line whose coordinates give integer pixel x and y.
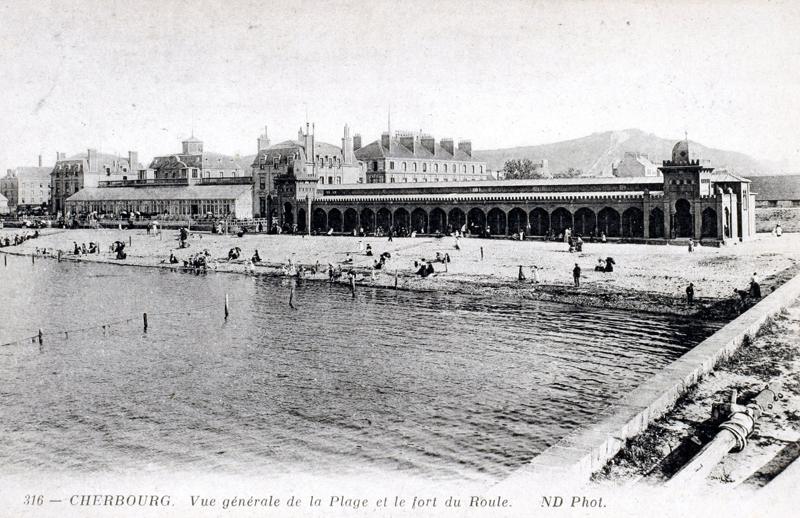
{"type": "Point", "coordinates": [226, 306]}
{"type": "Point", "coordinates": [395, 278]}
{"type": "Point", "coordinates": [144, 319]}
{"type": "Point", "coordinates": [130, 241]}
{"type": "Point", "coordinates": [40, 337]}
{"type": "Point", "coordinates": [59, 256]}
{"type": "Point", "coordinates": [5, 259]}
{"type": "Point", "coordinates": [353, 285]}
{"type": "Point", "coordinates": [33, 259]}
{"type": "Point", "coordinates": [481, 253]}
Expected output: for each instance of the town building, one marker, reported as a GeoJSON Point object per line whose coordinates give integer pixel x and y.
{"type": "Point", "coordinates": [194, 164]}
{"type": "Point", "coordinates": [634, 165]}
{"type": "Point", "coordinates": [417, 157]}
{"type": "Point", "coordinates": [289, 171]}
{"type": "Point", "coordinates": [194, 183]}
{"type": "Point", "coordinates": [687, 201]}
{"type": "Point", "coordinates": [27, 188]}
{"type": "Point", "coordinates": [4, 205]}
{"type": "Point", "coordinates": [70, 175]}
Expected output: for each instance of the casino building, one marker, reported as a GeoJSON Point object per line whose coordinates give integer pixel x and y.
{"type": "Point", "coordinates": [688, 200]}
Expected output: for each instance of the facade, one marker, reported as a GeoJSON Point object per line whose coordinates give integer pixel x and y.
{"type": "Point", "coordinates": [27, 188]}
{"type": "Point", "coordinates": [194, 164]}
{"type": "Point", "coordinates": [286, 172]}
{"type": "Point", "coordinates": [119, 199]}
{"type": "Point", "coordinates": [4, 205]}
{"type": "Point", "coordinates": [634, 165]}
{"type": "Point", "coordinates": [72, 174]}
{"type": "Point", "coordinates": [689, 200]}
{"type": "Point", "coordinates": [9, 188]}
{"type": "Point", "coordinates": [408, 157]}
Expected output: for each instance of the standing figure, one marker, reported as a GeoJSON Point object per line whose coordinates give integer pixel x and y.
{"type": "Point", "coordinates": [576, 275]}
{"type": "Point", "coordinates": [690, 293]}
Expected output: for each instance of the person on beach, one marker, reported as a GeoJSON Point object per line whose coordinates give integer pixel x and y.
{"type": "Point", "coordinates": [603, 237]}
{"type": "Point", "coordinates": [172, 258]}
{"type": "Point", "coordinates": [75, 251]}
{"type": "Point", "coordinates": [535, 272]}
{"type": "Point", "coordinates": [755, 288]}
{"type": "Point", "coordinates": [777, 231]}
{"type": "Point", "coordinates": [691, 245]}
{"type": "Point", "coordinates": [576, 275]}
{"type": "Point", "coordinates": [256, 258]}
{"type": "Point", "coordinates": [690, 293]}
{"type": "Point", "coordinates": [369, 250]}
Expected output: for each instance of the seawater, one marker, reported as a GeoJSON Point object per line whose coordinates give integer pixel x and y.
{"type": "Point", "coordinates": [431, 385]}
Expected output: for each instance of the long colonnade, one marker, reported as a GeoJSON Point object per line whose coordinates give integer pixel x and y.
{"type": "Point", "coordinates": [617, 220]}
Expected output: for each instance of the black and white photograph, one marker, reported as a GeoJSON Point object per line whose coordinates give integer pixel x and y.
{"type": "Point", "coordinates": [425, 258]}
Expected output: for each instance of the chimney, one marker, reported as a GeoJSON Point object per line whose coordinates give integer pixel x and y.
{"type": "Point", "coordinates": [357, 142]}
{"type": "Point", "coordinates": [300, 136]}
{"type": "Point", "coordinates": [40, 160]}
{"type": "Point", "coordinates": [61, 156]}
{"type": "Point", "coordinates": [465, 146]}
{"type": "Point", "coordinates": [263, 141]}
{"type": "Point", "coordinates": [92, 160]}
{"type": "Point", "coordinates": [428, 143]}
{"type": "Point", "coordinates": [447, 145]}
{"type": "Point", "coordinates": [407, 140]}
{"type": "Point", "coordinates": [386, 140]}
{"type": "Point", "coordinates": [133, 161]}
{"type": "Point", "coordinates": [347, 146]}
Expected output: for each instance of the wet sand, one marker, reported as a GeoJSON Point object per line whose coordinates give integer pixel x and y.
{"type": "Point", "coordinates": [645, 278]}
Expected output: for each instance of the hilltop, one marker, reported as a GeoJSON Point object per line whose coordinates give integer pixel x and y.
{"type": "Point", "coordinates": [595, 154]}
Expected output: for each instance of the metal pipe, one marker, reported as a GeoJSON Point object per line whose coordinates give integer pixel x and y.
{"type": "Point", "coordinates": [732, 437]}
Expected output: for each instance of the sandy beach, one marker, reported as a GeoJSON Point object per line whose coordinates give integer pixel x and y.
{"type": "Point", "coordinates": [645, 277]}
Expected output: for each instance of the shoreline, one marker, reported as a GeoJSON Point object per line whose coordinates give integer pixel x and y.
{"type": "Point", "coordinates": [636, 285]}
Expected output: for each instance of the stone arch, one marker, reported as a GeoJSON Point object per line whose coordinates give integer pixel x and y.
{"type": "Point", "coordinates": [496, 220]}
{"type": "Point", "coordinates": [476, 221]}
{"type": "Point", "coordinates": [350, 220]}
{"type": "Point", "coordinates": [656, 229]}
{"type": "Point", "coordinates": [402, 219]}
{"type": "Point", "coordinates": [335, 220]}
{"type": "Point", "coordinates": [368, 220]}
{"type": "Point", "coordinates": [608, 222]}
{"type": "Point", "coordinates": [438, 221]}
{"type": "Point", "coordinates": [319, 221]}
{"type": "Point", "coordinates": [301, 220]}
{"type": "Point", "coordinates": [560, 220]}
{"type": "Point", "coordinates": [517, 220]}
{"type": "Point", "coordinates": [383, 219]}
{"type": "Point", "coordinates": [457, 219]}
{"type": "Point", "coordinates": [540, 221]}
{"type": "Point", "coordinates": [419, 220]}
{"type": "Point", "coordinates": [709, 227]}
{"type": "Point", "coordinates": [683, 221]}
{"type": "Point", "coordinates": [585, 222]}
{"type": "Point", "coordinates": [633, 222]}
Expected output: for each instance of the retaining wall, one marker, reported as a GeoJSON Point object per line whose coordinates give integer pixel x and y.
{"type": "Point", "coordinates": [586, 450]}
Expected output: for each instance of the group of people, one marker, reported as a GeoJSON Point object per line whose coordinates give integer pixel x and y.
{"type": "Point", "coordinates": [18, 239]}
{"type": "Point", "coordinates": [94, 248]}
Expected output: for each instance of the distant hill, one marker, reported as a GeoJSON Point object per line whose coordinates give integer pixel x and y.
{"type": "Point", "coordinates": [595, 154]}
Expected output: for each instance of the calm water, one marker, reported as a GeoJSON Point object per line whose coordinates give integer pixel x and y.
{"type": "Point", "coordinates": [443, 387]}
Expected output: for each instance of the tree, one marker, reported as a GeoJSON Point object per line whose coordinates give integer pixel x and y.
{"type": "Point", "coordinates": [522, 169]}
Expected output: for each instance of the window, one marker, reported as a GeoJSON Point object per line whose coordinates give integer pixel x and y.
{"type": "Point", "coordinates": [391, 180]}
{"type": "Point", "coordinates": [330, 179]}
{"type": "Point", "coordinates": [322, 180]}
{"type": "Point", "coordinates": [435, 168]}
{"type": "Point", "coordinates": [473, 169]}
{"type": "Point", "coordinates": [424, 168]}
{"type": "Point", "coordinates": [405, 167]}
{"type": "Point", "coordinates": [445, 168]}
{"type": "Point", "coordinates": [391, 165]}
{"type": "Point", "coordinates": [463, 169]}
{"type": "Point", "coordinates": [338, 179]}
{"type": "Point", "coordinates": [263, 184]}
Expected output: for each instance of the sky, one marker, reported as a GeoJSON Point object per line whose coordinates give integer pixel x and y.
{"type": "Point", "coordinates": [143, 75]}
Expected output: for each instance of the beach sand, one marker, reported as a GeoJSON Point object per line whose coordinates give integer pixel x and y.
{"type": "Point", "coordinates": [646, 277]}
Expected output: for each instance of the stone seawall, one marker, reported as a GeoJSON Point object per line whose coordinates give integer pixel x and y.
{"type": "Point", "coordinates": [573, 459]}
